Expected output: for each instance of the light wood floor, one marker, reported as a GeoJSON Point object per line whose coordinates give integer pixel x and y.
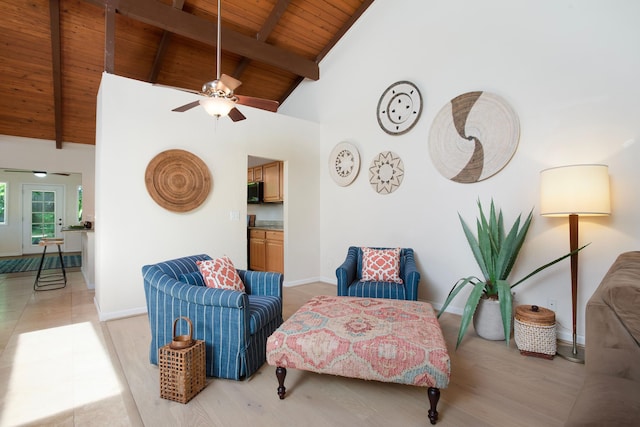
{"type": "Point", "coordinates": [61, 366]}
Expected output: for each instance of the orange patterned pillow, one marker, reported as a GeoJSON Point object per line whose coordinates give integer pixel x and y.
{"type": "Point", "coordinates": [221, 274]}
{"type": "Point", "coordinates": [381, 265]}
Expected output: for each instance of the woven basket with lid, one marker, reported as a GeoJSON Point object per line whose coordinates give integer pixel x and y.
{"type": "Point", "coordinates": [534, 331]}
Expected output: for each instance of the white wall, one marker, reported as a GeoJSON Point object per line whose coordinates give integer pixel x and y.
{"type": "Point", "coordinates": [135, 123]}
{"type": "Point", "coordinates": [35, 154]}
{"type": "Point", "coordinates": [570, 71]}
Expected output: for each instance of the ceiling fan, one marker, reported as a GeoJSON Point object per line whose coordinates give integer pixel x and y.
{"type": "Point", "coordinates": [38, 173]}
{"type": "Point", "coordinates": [220, 100]}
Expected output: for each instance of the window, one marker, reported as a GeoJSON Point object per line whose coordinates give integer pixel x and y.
{"type": "Point", "coordinates": [79, 203]}
{"type": "Point", "coordinates": [3, 202]}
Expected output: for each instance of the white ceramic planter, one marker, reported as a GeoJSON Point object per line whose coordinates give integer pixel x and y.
{"type": "Point", "coordinates": [487, 320]}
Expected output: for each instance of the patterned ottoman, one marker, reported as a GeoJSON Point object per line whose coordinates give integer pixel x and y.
{"type": "Point", "coordinates": [369, 338]}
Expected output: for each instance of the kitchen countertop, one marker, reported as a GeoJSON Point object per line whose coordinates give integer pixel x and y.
{"type": "Point", "coordinates": [267, 227]}
{"type": "Point", "coordinates": [81, 230]}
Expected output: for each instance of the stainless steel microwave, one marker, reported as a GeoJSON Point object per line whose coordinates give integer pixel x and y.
{"type": "Point", "coordinates": [254, 192]}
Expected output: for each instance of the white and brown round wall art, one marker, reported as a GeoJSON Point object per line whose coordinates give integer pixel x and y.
{"type": "Point", "coordinates": [399, 108]}
{"type": "Point", "coordinates": [344, 163]}
{"type": "Point", "coordinates": [386, 172]}
{"type": "Point", "coordinates": [473, 137]}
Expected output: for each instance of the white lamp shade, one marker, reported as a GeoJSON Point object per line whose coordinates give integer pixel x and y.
{"type": "Point", "coordinates": [217, 106]}
{"type": "Point", "coordinates": [576, 189]}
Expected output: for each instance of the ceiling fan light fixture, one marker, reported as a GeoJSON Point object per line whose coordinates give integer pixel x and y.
{"type": "Point", "coordinates": [217, 106]}
{"type": "Point", "coordinates": [40, 174]}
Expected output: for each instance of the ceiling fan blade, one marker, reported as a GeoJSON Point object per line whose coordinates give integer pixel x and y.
{"type": "Point", "coordinates": [236, 115]}
{"type": "Point", "coordinates": [263, 104]}
{"type": "Point", "coordinates": [230, 82]}
{"type": "Point", "coordinates": [186, 107]}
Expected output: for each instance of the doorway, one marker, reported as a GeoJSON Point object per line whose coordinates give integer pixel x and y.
{"type": "Point", "coordinates": [43, 210]}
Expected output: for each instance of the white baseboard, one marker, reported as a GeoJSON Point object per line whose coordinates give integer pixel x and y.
{"type": "Point", "coordinates": [118, 314]}
{"type": "Point", "coordinates": [301, 281]}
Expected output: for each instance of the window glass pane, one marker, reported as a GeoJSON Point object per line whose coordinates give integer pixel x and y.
{"type": "Point", "coordinates": [49, 230]}
{"type": "Point", "coordinates": [36, 217]}
{"type": "Point", "coordinates": [49, 196]}
{"type": "Point", "coordinates": [3, 191]}
{"type": "Point", "coordinates": [36, 206]}
{"type": "Point", "coordinates": [49, 207]}
{"type": "Point", "coordinates": [79, 203]}
{"type": "Point", "coordinates": [37, 196]}
{"type": "Point", "coordinates": [48, 218]}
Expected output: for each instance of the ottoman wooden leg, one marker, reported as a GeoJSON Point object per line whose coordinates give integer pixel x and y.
{"type": "Point", "coordinates": [434, 396]}
{"type": "Point", "coordinates": [280, 374]}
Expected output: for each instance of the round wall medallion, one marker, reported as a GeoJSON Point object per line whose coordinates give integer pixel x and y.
{"type": "Point", "coordinates": [177, 180]}
{"type": "Point", "coordinates": [386, 172]}
{"type": "Point", "coordinates": [344, 163]}
{"type": "Point", "coordinates": [399, 108]}
{"type": "Point", "coordinates": [473, 137]}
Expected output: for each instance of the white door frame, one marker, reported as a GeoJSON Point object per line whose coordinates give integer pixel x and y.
{"type": "Point", "coordinates": [27, 189]}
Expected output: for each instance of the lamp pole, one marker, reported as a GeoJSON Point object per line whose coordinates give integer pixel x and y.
{"type": "Point", "coordinates": [573, 353]}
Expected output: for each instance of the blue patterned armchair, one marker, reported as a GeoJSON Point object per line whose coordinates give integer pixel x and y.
{"type": "Point", "coordinates": [350, 281]}
{"type": "Point", "coordinates": [234, 325]}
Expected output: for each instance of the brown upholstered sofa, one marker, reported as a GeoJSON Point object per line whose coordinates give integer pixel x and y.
{"type": "Point", "coordinates": [610, 395]}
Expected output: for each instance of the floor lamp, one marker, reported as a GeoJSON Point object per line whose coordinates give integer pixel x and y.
{"type": "Point", "coordinates": [576, 190]}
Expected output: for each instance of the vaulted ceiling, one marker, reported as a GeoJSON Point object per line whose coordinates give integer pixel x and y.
{"type": "Point", "coordinates": [53, 52]}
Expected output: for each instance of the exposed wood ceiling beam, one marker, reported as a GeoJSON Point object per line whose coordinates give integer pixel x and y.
{"type": "Point", "coordinates": [109, 36]}
{"type": "Point", "coordinates": [54, 13]}
{"type": "Point", "coordinates": [264, 32]}
{"type": "Point", "coordinates": [168, 18]}
{"type": "Point", "coordinates": [162, 47]}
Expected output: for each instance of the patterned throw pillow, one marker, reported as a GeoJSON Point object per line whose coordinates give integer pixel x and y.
{"type": "Point", "coordinates": [381, 265]}
{"type": "Point", "coordinates": [221, 274]}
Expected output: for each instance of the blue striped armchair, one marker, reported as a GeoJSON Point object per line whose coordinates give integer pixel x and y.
{"type": "Point", "coordinates": [350, 282]}
{"type": "Point", "coordinates": [234, 325]}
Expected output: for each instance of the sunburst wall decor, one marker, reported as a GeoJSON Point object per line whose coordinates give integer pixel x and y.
{"type": "Point", "coordinates": [386, 172]}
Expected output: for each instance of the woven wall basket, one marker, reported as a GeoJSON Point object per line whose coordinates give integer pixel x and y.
{"type": "Point", "coordinates": [473, 137]}
{"type": "Point", "coordinates": [177, 180]}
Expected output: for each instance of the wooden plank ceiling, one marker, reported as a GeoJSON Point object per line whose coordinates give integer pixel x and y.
{"type": "Point", "coordinates": [53, 52]}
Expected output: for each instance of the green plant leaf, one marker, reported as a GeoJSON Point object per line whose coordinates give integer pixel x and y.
{"type": "Point", "coordinates": [456, 289]}
{"type": "Point", "coordinates": [509, 251]}
{"type": "Point", "coordinates": [475, 247]}
{"type": "Point", "coordinates": [506, 307]}
{"type": "Point", "coordinates": [549, 264]}
{"type": "Point", "coordinates": [469, 310]}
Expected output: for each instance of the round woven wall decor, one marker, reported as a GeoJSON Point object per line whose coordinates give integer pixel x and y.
{"type": "Point", "coordinates": [177, 180]}
{"type": "Point", "coordinates": [386, 172]}
{"type": "Point", "coordinates": [344, 163]}
{"type": "Point", "coordinates": [473, 137]}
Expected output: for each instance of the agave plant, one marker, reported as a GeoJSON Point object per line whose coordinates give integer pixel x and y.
{"type": "Point", "coordinates": [495, 253]}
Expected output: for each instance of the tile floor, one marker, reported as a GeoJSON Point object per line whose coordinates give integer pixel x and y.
{"type": "Point", "coordinates": [56, 367]}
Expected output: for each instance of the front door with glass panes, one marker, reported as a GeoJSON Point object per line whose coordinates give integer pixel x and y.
{"type": "Point", "coordinates": [42, 213]}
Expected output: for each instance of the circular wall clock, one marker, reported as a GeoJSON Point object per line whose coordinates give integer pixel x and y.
{"type": "Point", "coordinates": [473, 137]}
{"type": "Point", "coordinates": [344, 163]}
{"type": "Point", "coordinates": [177, 180]}
{"type": "Point", "coordinates": [386, 172]}
{"type": "Point", "coordinates": [399, 108]}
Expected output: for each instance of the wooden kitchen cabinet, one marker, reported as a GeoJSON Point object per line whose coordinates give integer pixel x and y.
{"type": "Point", "coordinates": [257, 250]}
{"type": "Point", "coordinates": [274, 248]}
{"type": "Point", "coordinates": [272, 176]}
{"type": "Point", "coordinates": [266, 250]}
{"type": "Point", "coordinates": [254, 174]}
